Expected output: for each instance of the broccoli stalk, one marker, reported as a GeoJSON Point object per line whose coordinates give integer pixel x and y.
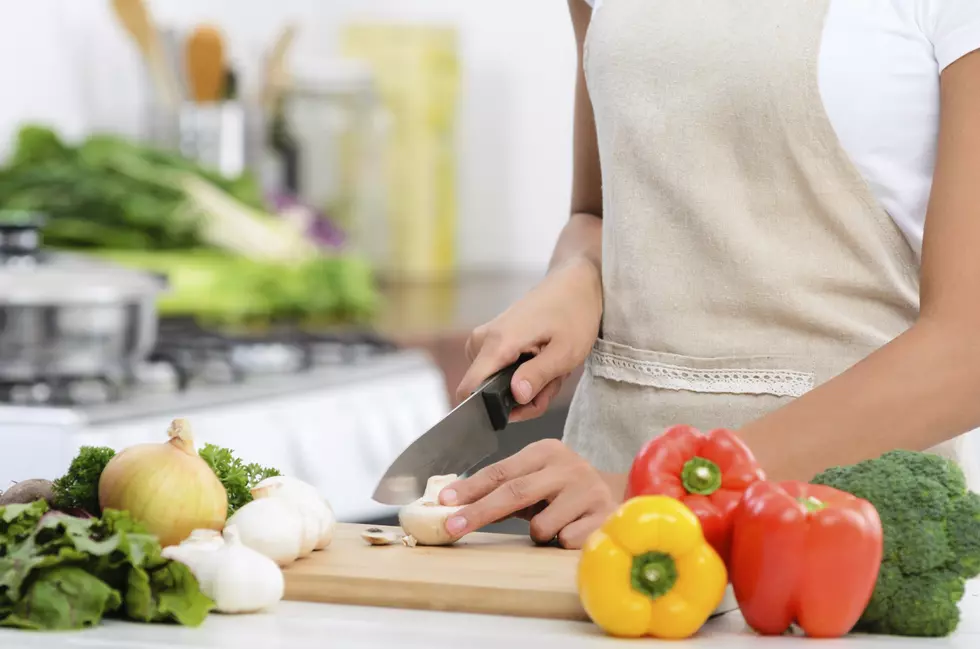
{"type": "Point", "coordinates": [931, 526]}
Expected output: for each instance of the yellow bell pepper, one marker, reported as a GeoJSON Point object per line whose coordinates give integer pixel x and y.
{"type": "Point", "coordinates": [648, 571]}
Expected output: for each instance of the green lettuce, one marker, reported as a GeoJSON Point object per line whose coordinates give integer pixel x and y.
{"type": "Point", "coordinates": [61, 572]}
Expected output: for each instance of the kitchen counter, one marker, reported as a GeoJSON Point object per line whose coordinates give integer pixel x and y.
{"type": "Point", "coordinates": [296, 625]}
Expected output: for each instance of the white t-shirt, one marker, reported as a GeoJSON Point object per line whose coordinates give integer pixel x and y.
{"type": "Point", "coordinates": [880, 62]}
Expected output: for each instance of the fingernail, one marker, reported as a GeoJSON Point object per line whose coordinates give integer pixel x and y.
{"type": "Point", "coordinates": [448, 496]}
{"type": "Point", "coordinates": [456, 524]}
{"type": "Point", "coordinates": [524, 391]}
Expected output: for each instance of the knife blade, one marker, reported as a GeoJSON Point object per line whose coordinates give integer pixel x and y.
{"type": "Point", "coordinates": [460, 441]}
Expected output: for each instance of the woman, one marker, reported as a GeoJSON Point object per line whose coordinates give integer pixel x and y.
{"type": "Point", "coordinates": [751, 255]}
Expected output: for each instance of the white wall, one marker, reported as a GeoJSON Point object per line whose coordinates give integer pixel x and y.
{"type": "Point", "coordinates": [66, 62]}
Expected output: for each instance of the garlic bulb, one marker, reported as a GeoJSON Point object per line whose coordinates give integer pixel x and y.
{"type": "Point", "coordinates": [272, 527]}
{"type": "Point", "coordinates": [318, 516]}
{"type": "Point", "coordinates": [166, 486]}
{"type": "Point", "coordinates": [425, 519]}
{"type": "Point", "coordinates": [328, 523]}
{"type": "Point", "coordinates": [239, 579]}
{"type": "Point", "coordinates": [194, 552]}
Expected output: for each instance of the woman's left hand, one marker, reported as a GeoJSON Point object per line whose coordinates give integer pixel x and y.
{"type": "Point", "coordinates": [546, 483]}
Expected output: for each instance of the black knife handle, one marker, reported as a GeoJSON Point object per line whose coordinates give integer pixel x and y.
{"type": "Point", "coordinates": [497, 396]}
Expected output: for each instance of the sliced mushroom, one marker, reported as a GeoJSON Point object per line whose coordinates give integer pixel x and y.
{"type": "Point", "coordinates": [378, 536]}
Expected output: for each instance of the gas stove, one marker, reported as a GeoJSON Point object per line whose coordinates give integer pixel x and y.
{"type": "Point", "coordinates": [333, 409]}
{"type": "Point", "coordinates": [188, 356]}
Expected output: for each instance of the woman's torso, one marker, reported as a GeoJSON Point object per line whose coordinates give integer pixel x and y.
{"type": "Point", "coordinates": [879, 66]}
{"type": "Point", "coordinates": [747, 257]}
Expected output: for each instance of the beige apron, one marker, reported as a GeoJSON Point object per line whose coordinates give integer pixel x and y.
{"type": "Point", "coordinates": [745, 260]}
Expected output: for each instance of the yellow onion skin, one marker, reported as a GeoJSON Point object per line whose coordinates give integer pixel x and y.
{"type": "Point", "coordinates": [167, 487]}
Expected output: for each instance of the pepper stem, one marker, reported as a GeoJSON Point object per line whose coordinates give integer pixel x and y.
{"type": "Point", "coordinates": [701, 476]}
{"type": "Point", "coordinates": [653, 574]}
{"type": "Point", "coordinates": [812, 504]}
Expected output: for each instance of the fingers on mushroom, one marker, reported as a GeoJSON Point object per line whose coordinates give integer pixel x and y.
{"type": "Point", "coordinates": [425, 519]}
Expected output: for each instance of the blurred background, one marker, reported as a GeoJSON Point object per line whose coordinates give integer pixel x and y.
{"type": "Point", "coordinates": [278, 219]}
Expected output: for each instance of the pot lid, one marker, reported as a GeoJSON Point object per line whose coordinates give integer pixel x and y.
{"type": "Point", "coordinates": [33, 277]}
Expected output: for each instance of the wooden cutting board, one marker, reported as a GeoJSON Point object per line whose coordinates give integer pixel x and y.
{"type": "Point", "coordinates": [501, 574]}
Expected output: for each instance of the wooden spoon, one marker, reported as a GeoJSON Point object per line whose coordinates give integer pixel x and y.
{"type": "Point", "coordinates": [135, 18]}
{"type": "Point", "coordinates": [276, 76]}
{"type": "Point", "coordinates": [206, 66]}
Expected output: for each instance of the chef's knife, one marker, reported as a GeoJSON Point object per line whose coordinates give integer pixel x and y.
{"type": "Point", "coordinates": [456, 444]}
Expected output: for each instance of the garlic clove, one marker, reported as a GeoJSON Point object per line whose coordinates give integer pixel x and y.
{"type": "Point", "coordinates": [377, 536]}
{"type": "Point", "coordinates": [425, 519]}
{"type": "Point", "coordinates": [271, 526]}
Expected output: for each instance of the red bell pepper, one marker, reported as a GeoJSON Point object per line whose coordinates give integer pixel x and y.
{"type": "Point", "coordinates": [707, 472]}
{"type": "Point", "coordinates": [804, 554]}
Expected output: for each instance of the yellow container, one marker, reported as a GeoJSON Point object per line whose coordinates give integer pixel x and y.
{"type": "Point", "coordinates": [417, 72]}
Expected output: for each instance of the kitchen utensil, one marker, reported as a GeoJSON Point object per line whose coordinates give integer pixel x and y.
{"type": "Point", "coordinates": [503, 574]}
{"type": "Point", "coordinates": [215, 135]}
{"type": "Point", "coordinates": [135, 18]}
{"type": "Point", "coordinates": [456, 444]}
{"type": "Point", "coordinates": [65, 316]}
{"type": "Point", "coordinates": [276, 77]}
{"type": "Point", "coordinates": [172, 42]}
{"type": "Point", "coordinates": [206, 64]}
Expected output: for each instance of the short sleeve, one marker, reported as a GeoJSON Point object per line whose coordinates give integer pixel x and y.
{"type": "Point", "coordinates": [953, 27]}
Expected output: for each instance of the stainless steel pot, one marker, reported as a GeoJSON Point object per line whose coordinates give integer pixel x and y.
{"type": "Point", "coordinates": [67, 316]}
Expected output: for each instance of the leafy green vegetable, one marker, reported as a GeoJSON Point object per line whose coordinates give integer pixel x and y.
{"type": "Point", "coordinates": [219, 288]}
{"type": "Point", "coordinates": [111, 195]}
{"type": "Point", "coordinates": [237, 477]}
{"type": "Point", "coordinates": [63, 598]}
{"type": "Point", "coordinates": [62, 572]}
{"type": "Point", "coordinates": [79, 487]}
{"type": "Point", "coordinates": [931, 527]}
{"type": "Point", "coordinates": [18, 521]}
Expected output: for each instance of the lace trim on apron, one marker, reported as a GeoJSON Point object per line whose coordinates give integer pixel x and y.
{"type": "Point", "coordinates": [657, 374]}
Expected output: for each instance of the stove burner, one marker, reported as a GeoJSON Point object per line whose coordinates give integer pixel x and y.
{"type": "Point", "coordinates": [187, 353]}
{"type": "Point", "coordinates": [193, 351]}
{"type": "Point", "coordinates": [62, 391]}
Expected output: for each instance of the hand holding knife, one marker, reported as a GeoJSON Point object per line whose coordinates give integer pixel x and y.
{"type": "Point", "coordinates": [456, 444]}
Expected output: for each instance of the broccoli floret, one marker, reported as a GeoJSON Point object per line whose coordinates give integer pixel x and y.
{"type": "Point", "coordinates": [963, 531]}
{"type": "Point", "coordinates": [931, 526]}
{"type": "Point", "coordinates": [79, 487]}
{"type": "Point", "coordinates": [920, 606]}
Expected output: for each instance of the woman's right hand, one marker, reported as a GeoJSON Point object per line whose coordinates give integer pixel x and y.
{"type": "Point", "coordinates": [558, 321]}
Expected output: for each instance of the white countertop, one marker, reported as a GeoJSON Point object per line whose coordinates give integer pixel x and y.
{"type": "Point", "coordinates": [295, 625]}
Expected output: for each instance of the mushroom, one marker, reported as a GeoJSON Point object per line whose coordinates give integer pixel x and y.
{"type": "Point", "coordinates": [425, 519]}
{"type": "Point", "coordinates": [28, 491]}
{"type": "Point", "coordinates": [377, 536]}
